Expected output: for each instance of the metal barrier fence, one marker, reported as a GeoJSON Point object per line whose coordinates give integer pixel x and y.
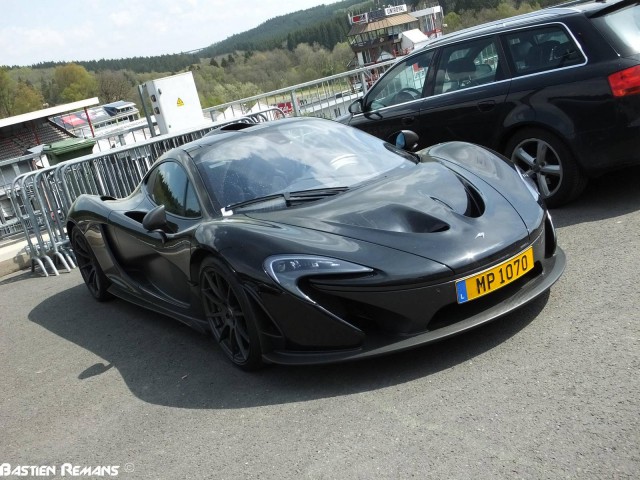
{"type": "Point", "coordinates": [9, 170]}
{"type": "Point", "coordinates": [328, 97]}
{"type": "Point", "coordinates": [42, 198]}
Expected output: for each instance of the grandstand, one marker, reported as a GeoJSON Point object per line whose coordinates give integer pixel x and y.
{"type": "Point", "coordinates": [20, 133]}
{"type": "Point", "coordinates": [84, 123]}
{"type": "Point", "coordinates": [17, 140]}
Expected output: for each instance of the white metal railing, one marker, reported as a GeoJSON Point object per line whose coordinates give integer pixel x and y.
{"type": "Point", "coordinates": [328, 97]}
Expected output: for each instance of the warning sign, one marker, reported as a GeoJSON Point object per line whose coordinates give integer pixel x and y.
{"type": "Point", "coordinates": [180, 102]}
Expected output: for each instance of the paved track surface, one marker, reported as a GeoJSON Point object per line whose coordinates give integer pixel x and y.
{"type": "Point", "coordinates": [549, 392]}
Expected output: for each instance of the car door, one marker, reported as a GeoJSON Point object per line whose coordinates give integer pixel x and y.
{"type": "Point", "coordinates": [466, 100]}
{"type": "Point", "coordinates": [393, 103]}
{"type": "Point", "coordinates": [159, 260]}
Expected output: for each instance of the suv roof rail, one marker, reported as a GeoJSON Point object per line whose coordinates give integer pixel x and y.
{"type": "Point", "coordinates": [571, 3]}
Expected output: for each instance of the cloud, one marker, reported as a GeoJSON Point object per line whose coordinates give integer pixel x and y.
{"type": "Point", "coordinates": [122, 19]}
{"type": "Point", "coordinates": [42, 30]}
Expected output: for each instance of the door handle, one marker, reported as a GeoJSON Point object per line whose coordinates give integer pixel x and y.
{"type": "Point", "coordinates": [406, 121]}
{"type": "Point", "coordinates": [487, 105]}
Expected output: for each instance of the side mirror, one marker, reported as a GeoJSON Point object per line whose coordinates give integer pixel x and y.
{"type": "Point", "coordinates": [405, 139]}
{"type": "Point", "coordinates": [156, 219]}
{"type": "Point", "coordinates": [356, 107]}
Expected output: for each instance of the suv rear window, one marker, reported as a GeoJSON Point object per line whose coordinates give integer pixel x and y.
{"type": "Point", "coordinates": [622, 29]}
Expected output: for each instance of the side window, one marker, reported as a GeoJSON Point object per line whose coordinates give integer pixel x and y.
{"type": "Point", "coordinates": [192, 207]}
{"type": "Point", "coordinates": [467, 65]}
{"type": "Point", "coordinates": [403, 83]}
{"type": "Point", "coordinates": [169, 185]}
{"type": "Point", "coordinates": [542, 49]}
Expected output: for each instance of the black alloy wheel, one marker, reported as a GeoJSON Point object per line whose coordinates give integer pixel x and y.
{"type": "Point", "coordinates": [544, 158]}
{"type": "Point", "coordinates": [230, 314]}
{"type": "Point", "coordinates": [92, 274]}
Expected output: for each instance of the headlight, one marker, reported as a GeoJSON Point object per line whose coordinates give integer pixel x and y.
{"type": "Point", "coordinates": [286, 270]}
{"type": "Point", "coordinates": [528, 181]}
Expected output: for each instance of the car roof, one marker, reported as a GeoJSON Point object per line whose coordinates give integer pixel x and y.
{"type": "Point", "coordinates": [549, 14]}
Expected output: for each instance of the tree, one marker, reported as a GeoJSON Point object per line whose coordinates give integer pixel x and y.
{"type": "Point", "coordinates": [73, 83]}
{"type": "Point", "coordinates": [452, 21]}
{"type": "Point", "coordinates": [341, 55]}
{"type": "Point", "coordinates": [27, 99]}
{"type": "Point", "coordinates": [7, 89]}
{"type": "Point", "coordinates": [113, 86]}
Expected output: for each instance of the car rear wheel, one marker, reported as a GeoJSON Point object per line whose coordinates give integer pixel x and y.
{"type": "Point", "coordinates": [230, 314]}
{"type": "Point", "coordinates": [545, 158]}
{"type": "Point", "coordinates": [92, 274]}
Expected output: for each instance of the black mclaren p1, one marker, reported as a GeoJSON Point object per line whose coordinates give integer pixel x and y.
{"type": "Point", "coordinates": [305, 241]}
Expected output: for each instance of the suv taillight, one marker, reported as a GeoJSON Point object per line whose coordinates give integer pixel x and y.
{"type": "Point", "coordinates": [625, 82]}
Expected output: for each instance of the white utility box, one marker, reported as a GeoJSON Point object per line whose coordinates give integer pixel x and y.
{"type": "Point", "coordinates": [175, 103]}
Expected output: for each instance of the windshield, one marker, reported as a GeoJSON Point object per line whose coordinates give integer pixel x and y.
{"type": "Point", "coordinates": [294, 156]}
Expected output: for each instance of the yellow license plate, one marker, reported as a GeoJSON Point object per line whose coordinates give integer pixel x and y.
{"type": "Point", "coordinates": [494, 278]}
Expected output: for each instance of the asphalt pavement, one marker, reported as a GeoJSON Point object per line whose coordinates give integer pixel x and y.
{"type": "Point", "coordinates": [551, 391]}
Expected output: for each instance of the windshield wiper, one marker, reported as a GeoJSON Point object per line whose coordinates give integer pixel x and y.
{"type": "Point", "coordinates": [276, 198]}
{"type": "Point", "coordinates": [286, 199]}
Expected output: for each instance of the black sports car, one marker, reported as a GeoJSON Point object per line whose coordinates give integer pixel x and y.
{"type": "Point", "coordinates": [306, 241]}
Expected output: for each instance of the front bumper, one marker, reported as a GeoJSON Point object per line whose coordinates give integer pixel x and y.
{"type": "Point", "coordinates": [469, 316]}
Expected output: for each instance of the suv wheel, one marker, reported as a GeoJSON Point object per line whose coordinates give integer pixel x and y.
{"type": "Point", "coordinates": [543, 157]}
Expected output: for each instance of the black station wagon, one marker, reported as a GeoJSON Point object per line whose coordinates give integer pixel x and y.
{"type": "Point", "coordinates": [557, 91]}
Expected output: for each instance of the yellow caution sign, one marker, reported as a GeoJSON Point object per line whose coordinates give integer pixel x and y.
{"type": "Point", "coordinates": [180, 102]}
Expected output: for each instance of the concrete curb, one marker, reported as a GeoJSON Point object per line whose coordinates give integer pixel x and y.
{"type": "Point", "coordinates": [13, 258]}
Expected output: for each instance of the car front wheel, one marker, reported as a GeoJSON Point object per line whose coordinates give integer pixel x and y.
{"type": "Point", "coordinates": [545, 158]}
{"type": "Point", "coordinates": [92, 274]}
{"type": "Point", "coordinates": [230, 314]}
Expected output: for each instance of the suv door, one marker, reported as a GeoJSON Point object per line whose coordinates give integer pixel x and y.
{"type": "Point", "coordinates": [393, 103]}
{"type": "Point", "coordinates": [467, 101]}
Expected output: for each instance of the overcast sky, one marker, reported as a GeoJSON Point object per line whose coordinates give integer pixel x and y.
{"type": "Point", "coordinates": [33, 31]}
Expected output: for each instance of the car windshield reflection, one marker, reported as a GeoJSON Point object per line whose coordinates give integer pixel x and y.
{"type": "Point", "coordinates": [292, 157]}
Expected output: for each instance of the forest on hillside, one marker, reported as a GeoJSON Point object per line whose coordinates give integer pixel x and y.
{"type": "Point", "coordinates": [224, 73]}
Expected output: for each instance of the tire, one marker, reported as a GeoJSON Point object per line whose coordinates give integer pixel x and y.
{"type": "Point", "coordinates": [230, 314]}
{"type": "Point", "coordinates": [548, 161]}
{"type": "Point", "coordinates": [93, 276]}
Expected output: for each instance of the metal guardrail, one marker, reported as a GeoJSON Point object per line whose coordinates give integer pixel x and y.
{"type": "Point", "coordinates": [9, 170]}
{"type": "Point", "coordinates": [328, 97]}
{"type": "Point", "coordinates": [42, 198]}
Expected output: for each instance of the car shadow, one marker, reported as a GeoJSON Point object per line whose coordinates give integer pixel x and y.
{"type": "Point", "coordinates": [612, 195]}
{"type": "Point", "coordinates": [165, 362]}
